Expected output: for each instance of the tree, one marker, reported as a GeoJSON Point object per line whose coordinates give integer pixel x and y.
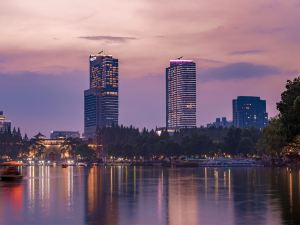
{"type": "Point", "coordinates": [84, 151]}
{"type": "Point", "coordinates": [232, 140]}
{"type": "Point", "coordinates": [246, 145]}
{"type": "Point", "coordinates": [289, 108]}
{"type": "Point", "coordinates": [273, 138]}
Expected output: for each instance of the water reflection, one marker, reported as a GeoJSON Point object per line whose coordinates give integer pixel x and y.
{"type": "Point", "coordinates": [287, 194]}
{"type": "Point", "coordinates": [144, 196]}
{"type": "Point", "coordinates": [101, 206]}
{"type": "Point", "coordinates": [250, 196]}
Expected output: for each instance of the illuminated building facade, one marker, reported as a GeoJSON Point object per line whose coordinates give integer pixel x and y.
{"type": "Point", "coordinates": [181, 94]}
{"type": "Point", "coordinates": [5, 125]}
{"type": "Point", "coordinates": [101, 100]}
{"type": "Point", "coordinates": [64, 134]}
{"type": "Point", "coordinates": [48, 149]}
{"type": "Point", "coordinates": [249, 111]}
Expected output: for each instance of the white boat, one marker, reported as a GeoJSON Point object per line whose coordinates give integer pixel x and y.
{"type": "Point", "coordinates": [81, 164]}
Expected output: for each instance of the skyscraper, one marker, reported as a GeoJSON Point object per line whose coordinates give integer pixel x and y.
{"type": "Point", "coordinates": [249, 111]}
{"type": "Point", "coordinates": [181, 94]}
{"type": "Point", "coordinates": [101, 100]}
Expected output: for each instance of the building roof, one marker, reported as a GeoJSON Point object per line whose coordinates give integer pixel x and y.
{"type": "Point", "coordinates": [40, 136]}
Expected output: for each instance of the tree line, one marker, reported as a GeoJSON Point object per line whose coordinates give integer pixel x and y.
{"type": "Point", "coordinates": [282, 135]}
{"type": "Point", "coordinates": [130, 142]}
{"type": "Point", "coordinates": [12, 144]}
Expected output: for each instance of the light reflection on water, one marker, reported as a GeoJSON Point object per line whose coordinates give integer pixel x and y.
{"type": "Point", "coordinates": [146, 196]}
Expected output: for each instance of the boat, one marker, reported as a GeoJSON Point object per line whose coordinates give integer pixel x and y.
{"type": "Point", "coordinates": [64, 165]}
{"type": "Point", "coordinates": [11, 174]}
{"type": "Point", "coordinates": [82, 164]}
{"type": "Point", "coordinates": [228, 162]}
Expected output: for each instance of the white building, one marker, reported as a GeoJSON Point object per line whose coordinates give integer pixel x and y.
{"type": "Point", "coordinates": [181, 94]}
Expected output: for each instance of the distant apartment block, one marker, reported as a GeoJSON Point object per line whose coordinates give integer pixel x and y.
{"type": "Point", "coordinates": [181, 94]}
{"type": "Point", "coordinates": [221, 122]}
{"type": "Point", "coordinates": [249, 111]}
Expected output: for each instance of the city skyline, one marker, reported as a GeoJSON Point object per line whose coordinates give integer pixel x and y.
{"type": "Point", "coordinates": [95, 82]}
{"type": "Point", "coordinates": [43, 70]}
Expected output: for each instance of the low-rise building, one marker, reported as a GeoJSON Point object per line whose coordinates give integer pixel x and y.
{"type": "Point", "coordinates": [5, 125]}
{"type": "Point", "coordinates": [221, 122]}
{"type": "Point", "coordinates": [64, 134]}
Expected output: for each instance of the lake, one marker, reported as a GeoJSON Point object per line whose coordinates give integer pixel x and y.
{"type": "Point", "coordinates": [152, 196]}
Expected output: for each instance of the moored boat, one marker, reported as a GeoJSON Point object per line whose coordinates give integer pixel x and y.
{"type": "Point", "coordinates": [11, 174]}
{"type": "Point", "coordinates": [81, 164]}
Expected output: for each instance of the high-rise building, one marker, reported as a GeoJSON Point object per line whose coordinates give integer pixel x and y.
{"type": "Point", "coordinates": [101, 100]}
{"type": "Point", "coordinates": [5, 125]}
{"type": "Point", "coordinates": [181, 94]}
{"type": "Point", "coordinates": [249, 111]}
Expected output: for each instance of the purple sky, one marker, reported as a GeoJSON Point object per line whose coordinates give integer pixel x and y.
{"type": "Point", "coordinates": [241, 47]}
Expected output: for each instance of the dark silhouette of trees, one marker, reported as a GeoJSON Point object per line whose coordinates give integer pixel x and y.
{"type": "Point", "coordinates": [289, 108]}
{"type": "Point", "coordinates": [12, 144]}
{"type": "Point", "coordinates": [283, 131]}
{"type": "Point", "coordinates": [130, 142]}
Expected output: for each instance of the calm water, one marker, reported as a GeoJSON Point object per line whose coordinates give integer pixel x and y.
{"type": "Point", "coordinates": [152, 196]}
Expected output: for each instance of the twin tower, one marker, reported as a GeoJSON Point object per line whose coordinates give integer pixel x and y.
{"type": "Point", "coordinates": [101, 100]}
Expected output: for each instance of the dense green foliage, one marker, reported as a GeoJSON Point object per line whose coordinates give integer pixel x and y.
{"type": "Point", "coordinates": [78, 147]}
{"type": "Point", "coordinates": [13, 144]}
{"type": "Point", "coordinates": [273, 138]}
{"type": "Point", "coordinates": [289, 108]}
{"type": "Point", "coordinates": [129, 142]}
{"type": "Point", "coordinates": [284, 129]}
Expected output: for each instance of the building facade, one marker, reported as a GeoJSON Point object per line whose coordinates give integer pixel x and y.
{"type": "Point", "coordinates": [64, 134]}
{"type": "Point", "coordinates": [101, 100]}
{"type": "Point", "coordinates": [249, 112]}
{"type": "Point", "coordinates": [220, 123]}
{"type": "Point", "coordinates": [5, 125]}
{"type": "Point", "coordinates": [181, 94]}
{"type": "Point", "coordinates": [42, 148]}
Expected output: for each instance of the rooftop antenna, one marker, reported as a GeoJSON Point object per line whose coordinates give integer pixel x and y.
{"type": "Point", "coordinates": [99, 53]}
{"type": "Point", "coordinates": [180, 57]}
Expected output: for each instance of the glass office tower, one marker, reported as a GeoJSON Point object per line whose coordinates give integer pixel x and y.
{"type": "Point", "coordinates": [101, 101]}
{"type": "Point", "coordinates": [181, 94]}
{"type": "Point", "coordinates": [249, 111]}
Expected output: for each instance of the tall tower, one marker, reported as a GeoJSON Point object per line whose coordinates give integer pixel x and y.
{"type": "Point", "coordinates": [181, 94]}
{"type": "Point", "coordinates": [101, 100]}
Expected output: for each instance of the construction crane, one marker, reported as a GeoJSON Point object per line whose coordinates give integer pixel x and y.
{"type": "Point", "coordinates": [180, 57]}
{"type": "Point", "coordinates": [99, 53]}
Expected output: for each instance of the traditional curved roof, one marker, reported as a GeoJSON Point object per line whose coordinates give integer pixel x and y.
{"type": "Point", "coordinates": [40, 136]}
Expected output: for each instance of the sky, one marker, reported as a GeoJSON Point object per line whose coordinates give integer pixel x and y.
{"type": "Point", "coordinates": [241, 47]}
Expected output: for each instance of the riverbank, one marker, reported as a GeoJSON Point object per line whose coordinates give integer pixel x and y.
{"type": "Point", "coordinates": [170, 162]}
